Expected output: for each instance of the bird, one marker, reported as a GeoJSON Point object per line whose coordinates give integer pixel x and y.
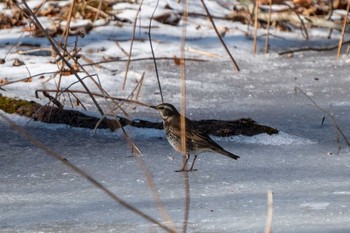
{"type": "Point", "coordinates": [197, 142]}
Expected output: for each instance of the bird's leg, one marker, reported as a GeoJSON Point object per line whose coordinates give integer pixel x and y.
{"type": "Point", "coordinates": [194, 160]}
{"type": "Point", "coordinates": [184, 166]}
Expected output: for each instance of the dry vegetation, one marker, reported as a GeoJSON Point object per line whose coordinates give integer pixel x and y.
{"type": "Point", "coordinates": [301, 14]}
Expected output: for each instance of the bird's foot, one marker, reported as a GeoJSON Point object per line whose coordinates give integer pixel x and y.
{"type": "Point", "coordinates": [182, 170]}
{"type": "Point", "coordinates": [188, 170]}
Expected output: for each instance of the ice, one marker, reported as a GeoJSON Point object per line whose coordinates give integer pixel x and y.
{"type": "Point", "coordinates": [300, 165]}
{"type": "Point", "coordinates": [277, 139]}
{"type": "Point", "coordinates": [315, 205]}
{"type": "Point", "coordinates": [342, 192]}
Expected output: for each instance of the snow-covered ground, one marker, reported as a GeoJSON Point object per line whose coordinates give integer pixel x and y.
{"type": "Point", "coordinates": [309, 181]}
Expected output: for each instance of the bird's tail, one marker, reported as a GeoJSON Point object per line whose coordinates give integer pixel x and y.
{"type": "Point", "coordinates": [226, 153]}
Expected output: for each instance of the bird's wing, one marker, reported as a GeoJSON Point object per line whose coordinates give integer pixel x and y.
{"type": "Point", "coordinates": [198, 136]}
{"type": "Point", "coordinates": [192, 132]}
{"type": "Point", "coordinates": [203, 141]}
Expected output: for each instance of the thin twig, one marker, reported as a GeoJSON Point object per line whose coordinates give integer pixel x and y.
{"type": "Point", "coordinates": [318, 49]}
{"type": "Point", "coordinates": [144, 59]}
{"type": "Point", "coordinates": [137, 87]}
{"type": "Point", "coordinates": [343, 31]}
{"type": "Point", "coordinates": [131, 45]}
{"type": "Point", "coordinates": [152, 185]}
{"type": "Point", "coordinates": [140, 86]}
{"type": "Point", "coordinates": [99, 10]}
{"type": "Point", "coordinates": [153, 56]}
{"type": "Point", "coordinates": [219, 36]}
{"type": "Point", "coordinates": [150, 181]}
{"type": "Point", "coordinates": [14, 45]}
{"type": "Point", "coordinates": [25, 79]}
{"type": "Point", "coordinates": [330, 115]}
{"type": "Point", "coordinates": [205, 53]}
{"type": "Point", "coordinates": [65, 35]}
{"type": "Point", "coordinates": [122, 49]}
{"type": "Point", "coordinates": [79, 102]}
{"type": "Point", "coordinates": [57, 51]}
{"type": "Point", "coordinates": [303, 27]}
{"type": "Point", "coordinates": [97, 95]}
{"type": "Point", "coordinates": [134, 147]}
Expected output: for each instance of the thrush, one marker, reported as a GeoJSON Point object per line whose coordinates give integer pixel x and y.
{"type": "Point", "coordinates": [197, 142]}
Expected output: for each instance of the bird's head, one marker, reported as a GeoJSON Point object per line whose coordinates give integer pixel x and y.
{"type": "Point", "coordinates": [166, 110]}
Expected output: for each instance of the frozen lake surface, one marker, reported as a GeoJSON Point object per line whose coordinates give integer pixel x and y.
{"type": "Point", "coordinates": [309, 180]}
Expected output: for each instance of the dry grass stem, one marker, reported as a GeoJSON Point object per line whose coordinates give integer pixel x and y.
{"type": "Point", "coordinates": [89, 61]}
{"type": "Point", "coordinates": [131, 45]}
{"type": "Point", "coordinates": [219, 35]}
{"type": "Point", "coordinates": [257, 2]}
{"type": "Point", "coordinates": [329, 114]}
{"type": "Point", "coordinates": [143, 59]}
{"type": "Point", "coordinates": [99, 11]}
{"type": "Point", "coordinates": [205, 53]}
{"type": "Point", "coordinates": [268, 228]}
{"type": "Point", "coordinates": [155, 194]}
{"type": "Point", "coordinates": [137, 88]}
{"type": "Point", "coordinates": [123, 50]}
{"type": "Point", "coordinates": [97, 95]}
{"type": "Point", "coordinates": [27, 78]}
{"type": "Point", "coordinates": [267, 44]}
{"type": "Point", "coordinates": [150, 181]}
{"type": "Point", "coordinates": [343, 30]}
{"type": "Point", "coordinates": [57, 51]}
{"type": "Point", "coordinates": [140, 83]}
{"type": "Point", "coordinates": [31, 51]}
{"type": "Point", "coordinates": [152, 51]}
{"type": "Point", "coordinates": [65, 35]}
{"type": "Point", "coordinates": [185, 4]}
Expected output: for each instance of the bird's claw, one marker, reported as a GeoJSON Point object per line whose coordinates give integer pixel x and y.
{"type": "Point", "coordinates": [188, 170]}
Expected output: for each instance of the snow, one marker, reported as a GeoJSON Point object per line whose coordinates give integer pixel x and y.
{"type": "Point", "coordinates": [309, 180]}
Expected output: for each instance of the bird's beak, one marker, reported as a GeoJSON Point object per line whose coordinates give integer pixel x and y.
{"type": "Point", "coordinates": [152, 106]}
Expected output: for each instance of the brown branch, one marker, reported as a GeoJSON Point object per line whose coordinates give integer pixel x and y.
{"type": "Point", "coordinates": [219, 36]}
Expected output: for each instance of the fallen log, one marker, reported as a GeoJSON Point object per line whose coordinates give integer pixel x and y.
{"type": "Point", "coordinates": [74, 118]}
